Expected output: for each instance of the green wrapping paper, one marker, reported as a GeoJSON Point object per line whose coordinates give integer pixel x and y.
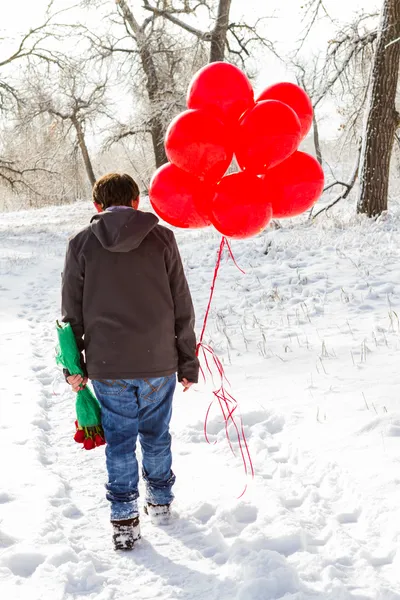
{"type": "Point", "coordinates": [88, 410]}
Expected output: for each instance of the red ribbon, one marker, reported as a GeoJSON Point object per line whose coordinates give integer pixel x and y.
{"type": "Point", "coordinates": [227, 403]}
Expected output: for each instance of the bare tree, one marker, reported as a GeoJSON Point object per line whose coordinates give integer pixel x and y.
{"type": "Point", "coordinates": [164, 43]}
{"type": "Point", "coordinates": [217, 37]}
{"type": "Point", "coordinates": [224, 34]}
{"type": "Point", "coordinates": [75, 101]}
{"type": "Point", "coordinates": [156, 64]}
{"type": "Point", "coordinates": [154, 90]}
{"type": "Point", "coordinates": [38, 45]}
{"type": "Point", "coordinates": [382, 120]}
{"type": "Point", "coordinates": [342, 71]}
{"type": "Point", "coordinates": [376, 98]}
{"type": "Point", "coordinates": [161, 51]}
{"type": "Point", "coordinates": [47, 167]}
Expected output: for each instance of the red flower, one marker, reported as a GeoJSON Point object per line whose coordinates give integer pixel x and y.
{"type": "Point", "coordinates": [79, 436]}
{"type": "Point", "coordinates": [98, 440]}
{"type": "Point", "coordinates": [88, 444]}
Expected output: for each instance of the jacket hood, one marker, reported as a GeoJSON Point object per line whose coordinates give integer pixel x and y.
{"type": "Point", "coordinates": [122, 231]}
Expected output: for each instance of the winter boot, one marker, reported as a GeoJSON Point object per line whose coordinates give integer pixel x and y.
{"type": "Point", "coordinates": [126, 533]}
{"type": "Point", "coordinates": [160, 514]}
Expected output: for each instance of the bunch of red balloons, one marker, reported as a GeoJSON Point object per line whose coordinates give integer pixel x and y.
{"type": "Point", "coordinates": [222, 121]}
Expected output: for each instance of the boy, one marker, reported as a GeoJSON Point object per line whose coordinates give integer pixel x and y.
{"type": "Point", "coordinates": [125, 294]}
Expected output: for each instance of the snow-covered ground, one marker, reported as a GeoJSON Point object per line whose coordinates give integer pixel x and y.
{"type": "Point", "coordinates": [310, 337]}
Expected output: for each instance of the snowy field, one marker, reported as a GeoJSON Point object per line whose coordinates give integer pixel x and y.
{"type": "Point", "coordinates": [310, 337]}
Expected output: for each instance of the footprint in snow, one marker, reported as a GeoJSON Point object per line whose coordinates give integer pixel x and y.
{"type": "Point", "coordinates": [284, 471]}
{"type": "Point", "coordinates": [56, 502]}
{"type": "Point", "coordinates": [63, 556]}
{"type": "Point", "coordinates": [245, 513]}
{"type": "Point", "coordinates": [394, 429]}
{"type": "Point", "coordinates": [231, 522]}
{"type": "Point", "coordinates": [348, 517]}
{"type": "Point", "coordinates": [294, 501]}
{"type": "Point", "coordinates": [272, 448]}
{"type": "Point", "coordinates": [45, 380]}
{"type": "Point", "coordinates": [42, 424]}
{"type": "Point", "coordinates": [44, 459]}
{"type": "Point", "coordinates": [204, 512]}
{"type": "Point", "coordinates": [380, 559]}
{"type": "Point", "coordinates": [6, 541]}
{"type": "Point", "coordinates": [72, 512]}
{"type": "Point", "coordinates": [281, 458]}
{"type": "Point", "coordinates": [5, 497]}
{"type": "Point", "coordinates": [23, 564]}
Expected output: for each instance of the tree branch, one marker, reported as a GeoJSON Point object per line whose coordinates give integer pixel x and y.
{"type": "Point", "coordinates": [129, 132]}
{"type": "Point", "coordinates": [392, 42]}
{"type": "Point", "coordinates": [201, 35]}
{"type": "Point", "coordinates": [14, 176]}
{"type": "Point", "coordinates": [348, 186]}
{"type": "Point", "coordinates": [331, 185]}
{"type": "Point", "coordinates": [356, 47]}
{"type": "Point", "coordinates": [314, 7]}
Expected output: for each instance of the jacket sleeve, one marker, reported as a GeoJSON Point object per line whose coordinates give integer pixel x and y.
{"type": "Point", "coordinates": [188, 364]}
{"type": "Point", "coordinates": [72, 298]}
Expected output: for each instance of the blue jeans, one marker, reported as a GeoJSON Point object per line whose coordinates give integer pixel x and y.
{"type": "Point", "coordinates": [132, 407]}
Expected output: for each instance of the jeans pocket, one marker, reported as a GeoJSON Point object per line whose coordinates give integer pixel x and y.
{"type": "Point", "coordinates": [110, 387]}
{"type": "Point", "coordinates": [154, 387]}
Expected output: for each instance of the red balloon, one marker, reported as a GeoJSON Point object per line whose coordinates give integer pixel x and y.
{"type": "Point", "coordinates": [178, 197]}
{"type": "Point", "coordinates": [268, 134]}
{"type": "Point", "coordinates": [294, 186]}
{"type": "Point", "coordinates": [238, 208]}
{"type": "Point", "coordinates": [223, 89]}
{"type": "Point", "coordinates": [199, 143]}
{"type": "Point", "coordinates": [295, 97]}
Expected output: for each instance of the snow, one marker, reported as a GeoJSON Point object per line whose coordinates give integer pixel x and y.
{"type": "Point", "coordinates": [310, 339]}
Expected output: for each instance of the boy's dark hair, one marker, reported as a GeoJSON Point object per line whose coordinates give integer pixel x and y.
{"type": "Point", "coordinates": [115, 189]}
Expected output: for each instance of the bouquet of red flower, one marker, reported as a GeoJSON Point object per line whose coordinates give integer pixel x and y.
{"type": "Point", "coordinates": [89, 431]}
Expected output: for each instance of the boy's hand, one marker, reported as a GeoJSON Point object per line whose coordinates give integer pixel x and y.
{"type": "Point", "coordinates": [77, 382]}
{"type": "Point", "coordinates": [186, 384]}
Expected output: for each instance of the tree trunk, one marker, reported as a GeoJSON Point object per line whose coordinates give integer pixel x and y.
{"type": "Point", "coordinates": [152, 84]}
{"type": "Point", "coordinates": [85, 153]}
{"type": "Point", "coordinates": [317, 144]}
{"type": "Point", "coordinates": [153, 91]}
{"type": "Point", "coordinates": [218, 36]}
{"type": "Point", "coordinates": [381, 119]}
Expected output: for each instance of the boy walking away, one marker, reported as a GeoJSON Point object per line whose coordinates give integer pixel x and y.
{"type": "Point", "coordinates": [125, 294]}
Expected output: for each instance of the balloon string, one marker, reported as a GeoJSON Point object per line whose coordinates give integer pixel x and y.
{"type": "Point", "coordinates": [217, 266]}
{"type": "Point", "coordinates": [227, 403]}
{"type": "Point", "coordinates": [232, 257]}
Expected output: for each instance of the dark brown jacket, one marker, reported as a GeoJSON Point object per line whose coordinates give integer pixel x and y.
{"type": "Point", "coordinates": [125, 294]}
